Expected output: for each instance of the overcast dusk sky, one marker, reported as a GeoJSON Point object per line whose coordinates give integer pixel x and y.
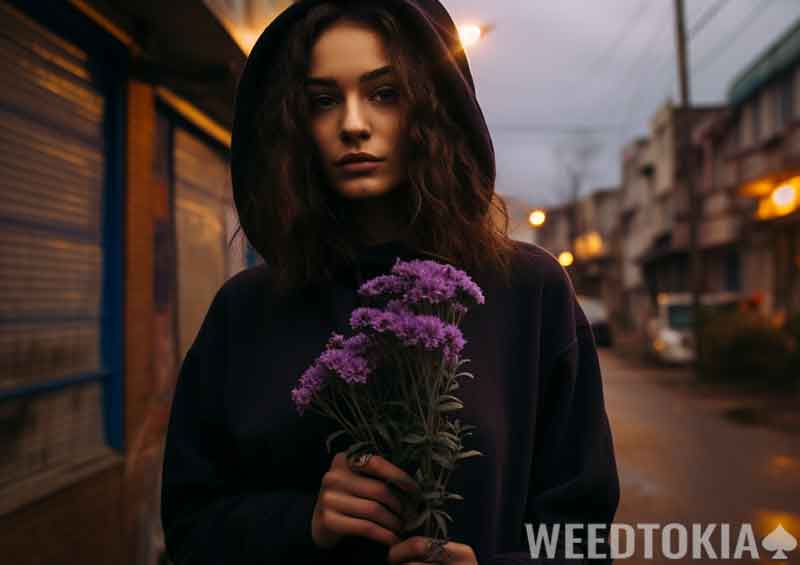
{"type": "Point", "coordinates": [550, 67]}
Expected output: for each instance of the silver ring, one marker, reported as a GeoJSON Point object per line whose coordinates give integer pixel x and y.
{"type": "Point", "coordinates": [363, 459]}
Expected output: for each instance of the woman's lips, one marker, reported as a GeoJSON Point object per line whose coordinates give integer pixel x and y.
{"type": "Point", "coordinates": [360, 166]}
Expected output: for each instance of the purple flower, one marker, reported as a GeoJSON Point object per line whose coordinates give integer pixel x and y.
{"type": "Point", "coordinates": [454, 343]}
{"type": "Point", "coordinates": [311, 382]}
{"type": "Point", "coordinates": [418, 281]}
{"type": "Point", "coordinates": [346, 359]}
{"type": "Point", "coordinates": [384, 285]}
{"type": "Point", "coordinates": [411, 329]}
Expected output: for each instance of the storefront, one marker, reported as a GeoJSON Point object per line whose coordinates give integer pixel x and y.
{"type": "Point", "coordinates": [115, 231]}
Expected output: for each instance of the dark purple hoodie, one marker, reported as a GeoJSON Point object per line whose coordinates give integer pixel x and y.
{"type": "Point", "coordinates": [242, 469]}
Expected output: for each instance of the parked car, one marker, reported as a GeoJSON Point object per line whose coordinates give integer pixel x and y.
{"type": "Point", "coordinates": [597, 315]}
{"type": "Point", "coordinates": [669, 333]}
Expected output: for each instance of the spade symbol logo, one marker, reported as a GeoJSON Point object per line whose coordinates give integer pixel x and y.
{"type": "Point", "coordinates": [779, 541]}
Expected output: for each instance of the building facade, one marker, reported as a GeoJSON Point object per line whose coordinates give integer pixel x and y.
{"type": "Point", "coordinates": [637, 229]}
{"type": "Point", "coordinates": [117, 228]}
{"type": "Point", "coordinates": [595, 271]}
{"type": "Point", "coordinates": [764, 161]}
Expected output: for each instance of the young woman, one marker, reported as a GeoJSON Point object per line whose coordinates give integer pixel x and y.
{"type": "Point", "coordinates": [358, 139]}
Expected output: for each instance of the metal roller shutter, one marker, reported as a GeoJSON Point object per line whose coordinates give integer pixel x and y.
{"type": "Point", "coordinates": [51, 255]}
{"type": "Point", "coordinates": [205, 223]}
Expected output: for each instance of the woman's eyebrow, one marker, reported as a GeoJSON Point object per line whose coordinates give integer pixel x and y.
{"type": "Point", "coordinates": [366, 77]}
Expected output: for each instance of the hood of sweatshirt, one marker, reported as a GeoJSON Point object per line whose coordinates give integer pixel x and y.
{"type": "Point", "coordinates": [431, 27]}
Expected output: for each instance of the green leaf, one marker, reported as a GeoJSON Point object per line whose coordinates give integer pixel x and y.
{"type": "Point", "coordinates": [440, 521]}
{"type": "Point", "coordinates": [442, 460]}
{"type": "Point", "coordinates": [332, 437]}
{"type": "Point", "coordinates": [452, 436]}
{"type": "Point", "coordinates": [467, 454]}
{"type": "Point", "coordinates": [421, 518]}
{"type": "Point", "coordinates": [441, 439]}
{"type": "Point", "coordinates": [398, 403]}
{"type": "Point", "coordinates": [414, 439]}
{"type": "Point", "coordinates": [384, 432]}
{"type": "Point", "coordinates": [453, 496]}
{"type": "Point", "coordinates": [446, 397]}
{"type": "Point", "coordinates": [449, 406]}
{"type": "Point", "coordinates": [453, 386]}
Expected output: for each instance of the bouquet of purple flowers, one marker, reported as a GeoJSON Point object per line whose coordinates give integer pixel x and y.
{"type": "Point", "coordinates": [391, 386]}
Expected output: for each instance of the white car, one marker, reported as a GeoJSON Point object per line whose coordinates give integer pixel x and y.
{"type": "Point", "coordinates": [669, 333]}
{"type": "Point", "coordinates": [597, 316]}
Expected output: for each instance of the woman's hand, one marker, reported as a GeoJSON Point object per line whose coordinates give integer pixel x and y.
{"type": "Point", "coordinates": [358, 501]}
{"type": "Point", "coordinates": [419, 550]}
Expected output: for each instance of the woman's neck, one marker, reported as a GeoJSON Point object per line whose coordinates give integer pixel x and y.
{"type": "Point", "coordinates": [381, 218]}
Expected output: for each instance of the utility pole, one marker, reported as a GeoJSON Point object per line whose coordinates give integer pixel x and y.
{"type": "Point", "coordinates": [685, 162]}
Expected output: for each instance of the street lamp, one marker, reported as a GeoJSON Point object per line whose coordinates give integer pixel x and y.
{"type": "Point", "coordinates": [565, 258]}
{"type": "Point", "coordinates": [537, 218]}
{"type": "Point", "coordinates": [781, 200]}
{"type": "Point", "coordinates": [470, 34]}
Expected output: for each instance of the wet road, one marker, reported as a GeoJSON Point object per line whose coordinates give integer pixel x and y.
{"type": "Point", "coordinates": [681, 461]}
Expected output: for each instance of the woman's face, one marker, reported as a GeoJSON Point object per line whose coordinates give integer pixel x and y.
{"type": "Point", "coordinates": [357, 111]}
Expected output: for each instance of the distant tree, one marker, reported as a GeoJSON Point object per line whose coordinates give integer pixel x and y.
{"type": "Point", "coordinates": [574, 158]}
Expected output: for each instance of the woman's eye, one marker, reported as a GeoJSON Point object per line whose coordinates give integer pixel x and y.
{"type": "Point", "coordinates": [323, 101]}
{"type": "Point", "coordinates": [386, 95]}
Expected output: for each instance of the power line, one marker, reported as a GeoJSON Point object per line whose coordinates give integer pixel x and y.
{"type": "Point", "coordinates": [758, 10]}
{"type": "Point", "coordinates": [554, 128]}
{"type": "Point", "coordinates": [706, 17]}
{"type": "Point", "coordinates": [624, 32]}
{"type": "Point", "coordinates": [700, 23]}
{"type": "Point", "coordinates": [654, 40]}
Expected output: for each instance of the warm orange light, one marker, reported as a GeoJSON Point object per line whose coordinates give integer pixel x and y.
{"type": "Point", "coordinates": [469, 34]}
{"type": "Point", "coordinates": [537, 218]}
{"type": "Point", "coordinates": [246, 38]}
{"type": "Point", "coordinates": [757, 189]}
{"type": "Point", "coordinates": [783, 200]}
{"type": "Point", "coordinates": [594, 243]}
{"type": "Point", "coordinates": [589, 245]}
{"type": "Point", "coordinates": [566, 259]}
{"type": "Point", "coordinates": [784, 195]}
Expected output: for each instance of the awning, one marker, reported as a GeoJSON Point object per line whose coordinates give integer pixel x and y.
{"type": "Point", "coordinates": [779, 57]}
{"type": "Point", "coordinates": [184, 48]}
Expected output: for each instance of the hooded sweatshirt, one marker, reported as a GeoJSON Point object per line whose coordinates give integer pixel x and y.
{"type": "Point", "coordinates": [242, 469]}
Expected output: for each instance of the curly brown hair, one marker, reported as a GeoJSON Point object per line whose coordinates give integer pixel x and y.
{"type": "Point", "coordinates": [300, 225]}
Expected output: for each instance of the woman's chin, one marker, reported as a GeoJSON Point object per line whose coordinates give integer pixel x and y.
{"type": "Point", "coordinates": [359, 190]}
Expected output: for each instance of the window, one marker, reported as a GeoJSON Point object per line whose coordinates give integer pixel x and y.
{"type": "Point", "coordinates": [785, 99]}
{"type": "Point", "coordinates": [756, 118]}
{"type": "Point", "coordinates": [732, 271]}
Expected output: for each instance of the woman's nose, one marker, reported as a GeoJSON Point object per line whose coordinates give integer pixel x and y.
{"type": "Point", "coordinates": [354, 122]}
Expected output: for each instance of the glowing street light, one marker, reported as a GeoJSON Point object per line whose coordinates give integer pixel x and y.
{"type": "Point", "coordinates": [469, 34]}
{"type": "Point", "coordinates": [565, 258]}
{"type": "Point", "coordinates": [537, 218]}
{"type": "Point", "coordinates": [781, 201]}
{"type": "Point", "coordinates": [784, 196]}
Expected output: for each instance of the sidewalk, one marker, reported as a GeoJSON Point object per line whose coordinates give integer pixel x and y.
{"type": "Point", "coordinates": [750, 406]}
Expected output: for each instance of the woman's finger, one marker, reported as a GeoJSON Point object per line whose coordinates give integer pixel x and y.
{"type": "Point", "coordinates": [363, 487]}
{"type": "Point", "coordinates": [363, 509]}
{"type": "Point", "coordinates": [349, 526]}
{"type": "Point", "coordinates": [425, 550]}
{"type": "Point", "coordinates": [377, 466]}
